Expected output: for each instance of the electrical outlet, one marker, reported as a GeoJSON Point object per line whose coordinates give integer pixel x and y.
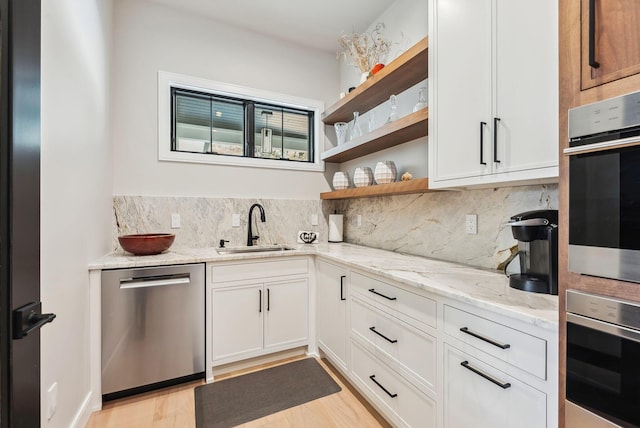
{"type": "Point", "coordinates": [52, 400]}
{"type": "Point", "coordinates": [359, 220]}
{"type": "Point", "coordinates": [235, 220]}
{"type": "Point", "coordinates": [175, 221]}
{"type": "Point", "coordinates": [471, 224]}
{"type": "Point", "coordinates": [314, 219]}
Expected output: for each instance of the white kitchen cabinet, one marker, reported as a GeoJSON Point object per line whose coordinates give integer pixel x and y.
{"type": "Point", "coordinates": [257, 308]}
{"type": "Point", "coordinates": [331, 299]}
{"type": "Point", "coordinates": [403, 404]}
{"type": "Point", "coordinates": [285, 313]}
{"type": "Point", "coordinates": [493, 92]}
{"type": "Point", "coordinates": [479, 395]}
{"type": "Point", "coordinates": [402, 346]}
{"type": "Point", "coordinates": [237, 321]}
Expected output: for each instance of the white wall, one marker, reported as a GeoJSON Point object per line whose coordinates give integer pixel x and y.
{"type": "Point", "coordinates": [149, 37]}
{"type": "Point", "coordinates": [76, 190]}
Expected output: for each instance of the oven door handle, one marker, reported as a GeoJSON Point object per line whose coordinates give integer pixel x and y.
{"type": "Point", "coordinates": [603, 145]}
{"type": "Point", "coordinates": [605, 327]}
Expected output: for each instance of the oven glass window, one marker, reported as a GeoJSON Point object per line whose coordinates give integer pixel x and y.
{"type": "Point", "coordinates": [604, 207]}
{"type": "Point", "coordinates": [603, 374]}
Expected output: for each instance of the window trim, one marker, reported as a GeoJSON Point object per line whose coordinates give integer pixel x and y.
{"type": "Point", "coordinates": [166, 80]}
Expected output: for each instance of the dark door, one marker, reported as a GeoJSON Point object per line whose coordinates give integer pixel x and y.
{"type": "Point", "coordinates": [20, 214]}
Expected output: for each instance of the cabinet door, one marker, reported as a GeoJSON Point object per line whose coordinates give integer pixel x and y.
{"type": "Point", "coordinates": [460, 89]}
{"type": "Point", "coordinates": [237, 321]}
{"type": "Point", "coordinates": [616, 39]}
{"type": "Point", "coordinates": [471, 400]}
{"type": "Point", "coordinates": [286, 312]}
{"type": "Point", "coordinates": [526, 83]}
{"type": "Point", "coordinates": [331, 301]}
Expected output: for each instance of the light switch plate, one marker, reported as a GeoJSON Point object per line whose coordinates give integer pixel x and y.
{"type": "Point", "coordinates": [235, 220]}
{"type": "Point", "coordinates": [471, 224]}
{"type": "Point", "coordinates": [359, 220]}
{"type": "Point", "coordinates": [52, 400]}
{"type": "Point", "coordinates": [175, 221]}
{"type": "Point", "coordinates": [314, 219]}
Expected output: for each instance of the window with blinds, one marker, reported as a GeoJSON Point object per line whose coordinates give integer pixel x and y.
{"type": "Point", "coordinates": [220, 125]}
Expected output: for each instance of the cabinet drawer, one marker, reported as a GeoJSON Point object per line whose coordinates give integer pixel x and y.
{"type": "Point", "coordinates": [519, 349]}
{"type": "Point", "coordinates": [404, 404]}
{"type": "Point", "coordinates": [257, 269]}
{"type": "Point", "coordinates": [480, 396]}
{"type": "Point", "coordinates": [400, 303]}
{"type": "Point", "coordinates": [413, 351]}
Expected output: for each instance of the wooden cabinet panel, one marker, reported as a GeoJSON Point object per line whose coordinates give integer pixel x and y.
{"type": "Point", "coordinates": [616, 39]}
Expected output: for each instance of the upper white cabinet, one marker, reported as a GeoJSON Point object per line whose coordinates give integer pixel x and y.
{"type": "Point", "coordinates": [493, 92]}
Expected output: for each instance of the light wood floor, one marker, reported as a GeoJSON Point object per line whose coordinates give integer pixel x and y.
{"type": "Point", "coordinates": [174, 407]}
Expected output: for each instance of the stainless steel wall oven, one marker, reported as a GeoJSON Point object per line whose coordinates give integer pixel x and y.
{"type": "Point", "coordinates": [603, 355]}
{"type": "Point", "coordinates": [604, 188]}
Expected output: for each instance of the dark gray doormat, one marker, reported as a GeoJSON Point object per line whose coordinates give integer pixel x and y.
{"type": "Point", "coordinates": [244, 398]}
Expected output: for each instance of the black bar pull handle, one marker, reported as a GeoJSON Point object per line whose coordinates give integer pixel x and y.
{"type": "Point", "coordinates": [373, 329]}
{"type": "Point", "coordinates": [260, 301]}
{"type": "Point", "coordinates": [373, 378]}
{"type": "Point", "coordinates": [592, 35]}
{"type": "Point", "coordinates": [373, 290]}
{"type": "Point", "coordinates": [342, 277]}
{"type": "Point", "coordinates": [268, 299]}
{"type": "Point", "coordinates": [495, 139]}
{"type": "Point", "coordinates": [503, 385]}
{"type": "Point", "coordinates": [485, 338]}
{"type": "Point", "coordinates": [482, 125]}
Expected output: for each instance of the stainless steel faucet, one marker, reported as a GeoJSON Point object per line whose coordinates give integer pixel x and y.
{"type": "Point", "coordinates": [250, 236]}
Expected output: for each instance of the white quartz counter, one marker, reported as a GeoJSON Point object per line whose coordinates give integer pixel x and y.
{"type": "Point", "coordinates": [478, 287]}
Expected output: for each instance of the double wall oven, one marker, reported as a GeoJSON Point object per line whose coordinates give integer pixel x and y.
{"type": "Point", "coordinates": [603, 333]}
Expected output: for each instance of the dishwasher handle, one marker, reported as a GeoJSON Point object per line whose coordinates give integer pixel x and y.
{"type": "Point", "coordinates": [155, 281]}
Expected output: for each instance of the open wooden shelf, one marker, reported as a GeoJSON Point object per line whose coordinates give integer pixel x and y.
{"type": "Point", "coordinates": [417, 185]}
{"type": "Point", "coordinates": [400, 74]}
{"type": "Point", "coordinates": [400, 131]}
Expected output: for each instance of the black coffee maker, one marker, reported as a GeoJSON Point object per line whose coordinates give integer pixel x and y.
{"type": "Point", "coordinates": [537, 235]}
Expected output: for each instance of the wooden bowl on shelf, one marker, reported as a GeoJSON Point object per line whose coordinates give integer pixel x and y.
{"type": "Point", "coordinates": [146, 244]}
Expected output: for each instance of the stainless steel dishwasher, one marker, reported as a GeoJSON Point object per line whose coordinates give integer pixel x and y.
{"type": "Point", "coordinates": [153, 328]}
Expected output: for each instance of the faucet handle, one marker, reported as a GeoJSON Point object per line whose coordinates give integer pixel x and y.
{"type": "Point", "coordinates": [222, 241]}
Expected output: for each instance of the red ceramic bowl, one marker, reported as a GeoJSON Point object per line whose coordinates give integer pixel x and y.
{"type": "Point", "coordinates": [147, 243]}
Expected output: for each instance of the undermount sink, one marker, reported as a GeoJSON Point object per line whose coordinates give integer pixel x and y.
{"type": "Point", "coordinates": [253, 249]}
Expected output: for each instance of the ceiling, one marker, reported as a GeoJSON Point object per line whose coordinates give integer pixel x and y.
{"type": "Point", "coordinates": [312, 23]}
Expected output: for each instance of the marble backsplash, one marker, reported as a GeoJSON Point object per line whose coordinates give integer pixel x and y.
{"type": "Point", "coordinates": [433, 224]}
{"type": "Point", "coordinates": [205, 221]}
{"type": "Point", "coordinates": [429, 224]}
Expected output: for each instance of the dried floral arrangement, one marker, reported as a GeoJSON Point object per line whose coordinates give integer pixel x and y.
{"type": "Point", "coordinates": [366, 49]}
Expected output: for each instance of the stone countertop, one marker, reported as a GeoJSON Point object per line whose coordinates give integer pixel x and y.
{"type": "Point", "coordinates": [481, 288]}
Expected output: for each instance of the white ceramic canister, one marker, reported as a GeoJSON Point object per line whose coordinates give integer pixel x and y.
{"type": "Point", "coordinates": [363, 177]}
{"type": "Point", "coordinates": [341, 180]}
{"type": "Point", "coordinates": [386, 172]}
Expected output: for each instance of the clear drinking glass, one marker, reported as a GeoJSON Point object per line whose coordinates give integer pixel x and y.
{"type": "Point", "coordinates": [356, 131]}
{"type": "Point", "coordinates": [422, 100]}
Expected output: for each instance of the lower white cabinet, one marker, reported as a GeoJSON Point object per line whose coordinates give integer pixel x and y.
{"type": "Point", "coordinates": [400, 401]}
{"type": "Point", "coordinates": [479, 395]}
{"type": "Point", "coordinates": [428, 361]}
{"type": "Point", "coordinates": [237, 321]}
{"type": "Point", "coordinates": [332, 283]}
{"type": "Point", "coordinates": [257, 308]}
{"type": "Point", "coordinates": [285, 313]}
